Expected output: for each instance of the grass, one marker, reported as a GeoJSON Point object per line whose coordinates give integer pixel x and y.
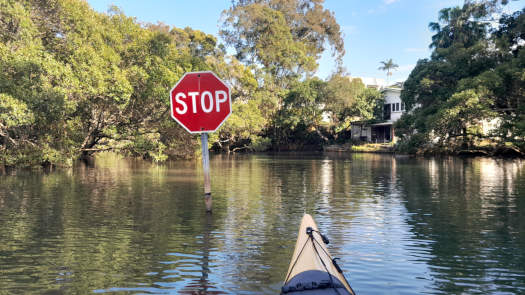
{"type": "Point", "coordinates": [373, 148]}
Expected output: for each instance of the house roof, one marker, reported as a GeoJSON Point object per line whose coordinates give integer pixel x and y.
{"type": "Point", "coordinates": [382, 124]}
{"type": "Point", "coordinates": [372, 82]}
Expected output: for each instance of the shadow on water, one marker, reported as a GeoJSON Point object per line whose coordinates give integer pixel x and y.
{"type": "Point", "coordinates": [401, 225]}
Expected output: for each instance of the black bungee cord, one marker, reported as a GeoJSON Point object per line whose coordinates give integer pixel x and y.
{"type": "Point", "coordinates": [310, 231]}
{"type": "Point", "coordinates": [336, 265]}
{"type": "Point", "coordinates": [295, 262]}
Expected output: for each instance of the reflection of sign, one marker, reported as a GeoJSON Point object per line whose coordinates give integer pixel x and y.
{"type": "Point", "coordinates": [200, 102]}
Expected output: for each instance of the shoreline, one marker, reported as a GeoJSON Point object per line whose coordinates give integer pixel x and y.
{"type": "Point", "coordinates": [388, 148]}
{"type": "Point", "coordinates": [383, 148]}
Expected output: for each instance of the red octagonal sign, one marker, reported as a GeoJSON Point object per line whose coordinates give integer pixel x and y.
{"type": "Point", "coordinates": [200, 102]}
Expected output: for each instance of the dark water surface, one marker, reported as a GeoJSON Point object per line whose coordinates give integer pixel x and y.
{"type": "Point", "coordinates": [400, 225]}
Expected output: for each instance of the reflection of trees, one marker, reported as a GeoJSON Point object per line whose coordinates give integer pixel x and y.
{"type": "Point", "coordinates": [99, 228]}
{"type": "Point", "coordinates": [469, 209]}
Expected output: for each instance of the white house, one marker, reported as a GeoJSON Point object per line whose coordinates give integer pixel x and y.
{"type": "Point", "coordinates": [393, 108]}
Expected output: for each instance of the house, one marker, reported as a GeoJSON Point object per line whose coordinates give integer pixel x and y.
{"type": "Point", "coordinates": [393, 108]}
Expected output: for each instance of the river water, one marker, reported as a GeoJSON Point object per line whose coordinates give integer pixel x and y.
{"type": "Point", "coordinates": [400, 225]}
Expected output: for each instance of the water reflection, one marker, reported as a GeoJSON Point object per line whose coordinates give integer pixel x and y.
{"type": "Point", "coordinates": [468, 209]}
{"type": "Point", "coordinates": [399, 225]}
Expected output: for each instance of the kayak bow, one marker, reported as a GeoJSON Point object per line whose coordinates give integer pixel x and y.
{"type": "Point", "coordinates": [312, 270]}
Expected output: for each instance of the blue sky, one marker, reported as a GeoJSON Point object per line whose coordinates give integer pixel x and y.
{"type": "Point", "coordinates": [374, 30]}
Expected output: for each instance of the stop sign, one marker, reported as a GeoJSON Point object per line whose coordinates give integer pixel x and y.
{"type": "Point", "coordinates": [200, 102]}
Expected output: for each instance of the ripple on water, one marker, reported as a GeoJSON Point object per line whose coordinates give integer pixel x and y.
{"type": "Point", "coordinates": [401, 226]}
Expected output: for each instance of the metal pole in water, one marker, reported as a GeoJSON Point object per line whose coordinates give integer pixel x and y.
{"type": "Point", "coordinates": [206, 169]}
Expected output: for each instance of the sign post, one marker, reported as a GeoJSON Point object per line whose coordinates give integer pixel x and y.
{"type": "Point", "coordinates": [201, 102]}
{"type": "Point", "coordinates": [206, 170]}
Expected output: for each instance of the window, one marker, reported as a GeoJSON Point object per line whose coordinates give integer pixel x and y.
{"type": "Point", "coordinates": [386, 111]}
{"type": "Point", "coordinates": [402, 106]}
{"type": "Point", "coordinates": [397, 106]}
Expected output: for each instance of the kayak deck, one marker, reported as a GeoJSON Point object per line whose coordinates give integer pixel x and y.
{"type": "Point", "coordinates": [312, 270]}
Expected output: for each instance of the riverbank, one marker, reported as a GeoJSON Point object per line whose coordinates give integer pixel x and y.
{"type": "Point", "coordinates": [383, 148]}
{"type": "Point", "coordinates": [390, 148]}
{"type": "Point", "coordinates": [475, 151]}
{"type": "Point", "coordinates": [379, 148]}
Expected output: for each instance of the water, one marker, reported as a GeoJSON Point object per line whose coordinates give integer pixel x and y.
{"type": "Point", "coordinates": [400, 225]}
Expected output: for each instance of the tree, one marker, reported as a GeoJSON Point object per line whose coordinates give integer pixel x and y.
{"type": "Point", "coordinates": [456, 27]}
{"type": "Point", "coordinates": [349, 99]}
{"type": "Point", "coordinates": [244, 127]}
{"type": "Point", "coordinates": [75, 82]}
{"type": "Point", "coordinates": [461, 112]}
{"type": "Point", "coordinates": [285, 38]}
{"type": "Point", "coordinates": [388, 66]}
{"type": "Point", "coordinates": [475, 74]}
{"type": "Point", "coordinates": [282, 41]}
{"type": "Point", "coordinates": [300, 118]}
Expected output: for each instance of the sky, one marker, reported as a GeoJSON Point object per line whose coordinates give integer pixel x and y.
{"type": "Point", "coordinates": [374, 30]}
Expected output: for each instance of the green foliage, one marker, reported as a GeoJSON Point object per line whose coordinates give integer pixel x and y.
{"type": "Point", "coordinates": [74, 82]}
{"type": "Point", "coordinates": [464, 109]}
{"type": "Point", "coordinates": [281, 42]}
{"type": "Point", "coordinates": [413, 143]}
{"type": "Point", "coordinates": [269, 40]}
{"type": "Point", "coordinates": [302, 105]}
{"type": "Point", "coordinates": [243, 127]}
{"type": "Point", "coordinates": [285, 37]}
{"type": "Point", "coordinates": [14, 112]}
{"type": "Point", "coordinates": [316, 112]}
{"type": "Point", "coordinates": [260, 144]}
{"type": "Point", "coordinates": [349, 99]}
{"type": "Point", "coordinates": [475, 74]}
{"type": "Point", "coordinates": [251, 110]}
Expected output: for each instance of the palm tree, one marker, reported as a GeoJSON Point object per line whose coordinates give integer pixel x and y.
{"type": "Point", "coordinates": [388, 66]}
{"type": "Point", "coordinates": [455, 25]}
